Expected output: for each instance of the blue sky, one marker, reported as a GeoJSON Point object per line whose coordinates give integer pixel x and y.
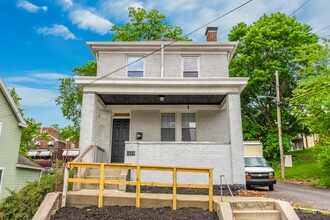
{"type": "Point", "coordinates": [43, 40]}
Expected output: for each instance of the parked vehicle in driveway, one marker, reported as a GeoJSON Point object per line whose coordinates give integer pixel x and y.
{"type": "Point", "coordinates": [258, 171]}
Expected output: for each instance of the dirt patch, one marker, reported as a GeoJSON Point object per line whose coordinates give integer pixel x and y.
{"type": "Point", "coordinates": [303, 215]}
{"type": "Point", "coordinates": [251, 193]}
{"type": "Point", "coordinates": [128, 212]}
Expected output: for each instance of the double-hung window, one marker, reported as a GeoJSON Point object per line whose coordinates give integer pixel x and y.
{"type": "Point", "coordinates": [188, 127]}
{"type": "Point", "coordinates": [135, 66]}
{"type": "Point", "coordinates": [168, 127]}
{"type": "Point", "coordinates": [190, 66]}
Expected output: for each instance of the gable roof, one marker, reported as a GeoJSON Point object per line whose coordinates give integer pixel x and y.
{"type": "Point", "coordinates": [21, 121]}
{"type": "Point", "coordinates": [24, 162]}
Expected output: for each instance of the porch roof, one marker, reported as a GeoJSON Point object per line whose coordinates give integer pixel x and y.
{"type": "Point", "coordinates": [162, 86]}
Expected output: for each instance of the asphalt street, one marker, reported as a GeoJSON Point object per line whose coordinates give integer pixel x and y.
{"type": "Point", "coordinates": [308, 197]}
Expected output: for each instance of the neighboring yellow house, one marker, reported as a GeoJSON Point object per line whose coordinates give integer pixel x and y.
{"type": "Point", "coordinates": [15, 169]}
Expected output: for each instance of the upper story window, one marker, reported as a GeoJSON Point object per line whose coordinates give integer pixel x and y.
{"type": "Point", "coordinates": [188, 127]}
{"type": "Point", "coordinates": [190, 66]}
{"type": "Point", "coordinates": [136, 68]}
{"type": "Point", "coordinates": [168, 127]}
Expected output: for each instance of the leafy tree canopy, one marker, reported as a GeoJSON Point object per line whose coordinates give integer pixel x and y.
{"type": "Point", "coordinates": [145, 25]}
{"type": "Point", "coordinates": [271, 43]}
{"type": "Point", "coordinates": [311, 99]}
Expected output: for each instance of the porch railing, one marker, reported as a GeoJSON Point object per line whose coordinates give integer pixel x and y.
{"type": "Point", "coordinates": [138, 183]}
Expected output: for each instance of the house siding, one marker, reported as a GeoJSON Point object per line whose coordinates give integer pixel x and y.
{"type": "Point", "coordinates": [214, 65]}
{"type": "Point", "coordinates": [9, 148]}
{"type": "Point", "coordinates": [147, 122]}
{"type": "Point", "coordinates": [212, 126]}
{"type": "Point", "coordinates": [208, 155]}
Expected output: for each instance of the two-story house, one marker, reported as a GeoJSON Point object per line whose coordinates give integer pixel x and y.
{"type": "Point", "coordinates": [15, 169]}
{"type": "Point", "coordinates": [166, 103]}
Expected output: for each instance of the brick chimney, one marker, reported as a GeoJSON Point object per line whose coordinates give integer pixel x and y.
{"type": "Point", "coordinates": [211, 34]}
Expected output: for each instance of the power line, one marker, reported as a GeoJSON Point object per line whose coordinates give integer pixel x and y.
{"type": "Point", "coordinates": [167, 45]}
{"type": "Point", "coordinates": [299, 8]}
{"type": "Point", "coordinates": [322, 29]}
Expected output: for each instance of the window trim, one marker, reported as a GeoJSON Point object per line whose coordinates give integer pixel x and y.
{"type": "Point", "coordinates": [198, 65]}
{"type": "Point", "coordinates": [195, 115]}
{"type": "Point", "coordinates": [178, 124]}
{"type": "Point", "coordinates": [175, 126]}
{"type": "Point", "coordinates": [1, 178]}
{"type": "Point", "coordinates": [136, 56]}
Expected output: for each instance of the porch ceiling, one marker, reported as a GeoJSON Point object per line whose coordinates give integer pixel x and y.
{"type": "Point", "coordinates": [118, 99]}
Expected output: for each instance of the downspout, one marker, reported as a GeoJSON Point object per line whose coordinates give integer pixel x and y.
{"type": "Point", "coordinates": [162, 62]}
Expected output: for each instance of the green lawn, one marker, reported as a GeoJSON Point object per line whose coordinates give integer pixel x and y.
{"type": "Point", "coordinates": [305, 168]}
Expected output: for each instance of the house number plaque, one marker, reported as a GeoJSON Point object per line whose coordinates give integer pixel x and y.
{"type": "Point", "coordinates": [130, 153]}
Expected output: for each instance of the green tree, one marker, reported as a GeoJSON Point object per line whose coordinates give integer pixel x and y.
{"type": "Point", "coordinates": [271, 43]}
{"type": "Point", "coordinates": [29, 133]}
{"type": "Point", "coordinates": [145, 25]}
{"type": "Point", "coordinates": [311, 99]}
{"type": "Point", "coordinates": [71, 133]}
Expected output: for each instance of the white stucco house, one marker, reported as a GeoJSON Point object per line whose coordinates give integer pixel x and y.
{"type": "Point", "coordinates": [159, 104]}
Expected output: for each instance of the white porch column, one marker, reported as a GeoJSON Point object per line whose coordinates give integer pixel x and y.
{"type": "Point", "coordinates": [236, 138]}
{"type": "Point", "coordinates": [88, 120]}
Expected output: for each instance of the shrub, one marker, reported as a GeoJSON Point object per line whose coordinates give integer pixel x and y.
{"type": "Point", "coordinates": [24, 203]}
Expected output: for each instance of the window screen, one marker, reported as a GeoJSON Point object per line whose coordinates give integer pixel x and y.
{"type": "Point", "coordinates": [136, 68]}
{"type": "Point", "coordinates": [188, 127]}
{"type": "Point", "coordinates": [190, 67]}
{"type": "Point", "coordinates": [168, 127]}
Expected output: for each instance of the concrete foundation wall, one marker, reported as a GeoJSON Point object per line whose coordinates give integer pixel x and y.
{"type": "Point", "coordinates": [209, 155]}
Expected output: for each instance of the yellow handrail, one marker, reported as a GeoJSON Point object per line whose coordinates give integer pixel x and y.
{"type": "Point", "coordinates": [101, 181]}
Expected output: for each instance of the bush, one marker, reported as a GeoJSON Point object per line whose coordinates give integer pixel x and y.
{"type": "Point", "coordinates": [24, 203]}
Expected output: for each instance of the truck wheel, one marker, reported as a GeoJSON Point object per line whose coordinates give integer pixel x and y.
{"type": "Point", "coordinates": [271, 188]}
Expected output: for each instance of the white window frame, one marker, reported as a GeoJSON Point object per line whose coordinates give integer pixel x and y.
{"type": "Point", "coordinates": [178, 124]}
{"type": "Point", "coordinates": [189, 128]}
{"type": "Point", "coordinates": [198, 65]}
{"type": "Point", "coordinates": [1, 178]}
{"type": "Point", "coordinates": [175, 125]}
{"type": "Point", "coordinates": [136, 56]}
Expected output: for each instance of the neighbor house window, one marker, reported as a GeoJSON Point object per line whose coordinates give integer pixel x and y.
{"type": "Point", "coordinates": [135, 66]}
{"type": "Point", "coordinates": [188, 127]}
{"type": "Point", "coordinates": [1, 178]}
{"type": "Point", "coordinates": [190, 66]}
{"type": "Point", "coordinates": [168, 127]}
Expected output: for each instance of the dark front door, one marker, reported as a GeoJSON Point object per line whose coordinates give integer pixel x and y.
{"type": "Point", "coordinates": [120, 134]}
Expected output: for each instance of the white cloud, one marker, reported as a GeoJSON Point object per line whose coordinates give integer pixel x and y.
{"type": "Point", "coordinates": [37, 78]}
{"type": "Point", "coordinates": [57, 30]}
{"type": "Point", "coordinates": [86, 20]}
{"type": "Point", "coordinates": [118, 10]}
{"type": "Point", "coordinates": [65, 3]}
{"type": "Point", "coordinates": [28, 6]}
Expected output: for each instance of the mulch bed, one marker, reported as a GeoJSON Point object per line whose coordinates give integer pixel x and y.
{"type": "Point", "coordinates": [166, 213]}
{"type": "Point", "coordinates": [313, 216]}
{"type": "Point", "coordinates": [128, 212]}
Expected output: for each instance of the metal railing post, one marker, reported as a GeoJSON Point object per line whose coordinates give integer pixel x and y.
{"type": "Point", "coordinates": [210, 190]}
{"type": "Point", "coordinates": [138, 183]}
{"type": "Point", "coordinates": [101, 186]}
{"type": "Point", "coordinates": [174, 189]}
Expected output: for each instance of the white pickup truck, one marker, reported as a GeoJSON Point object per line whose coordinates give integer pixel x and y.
{"type": "Point", "coordinates": [258, 171]}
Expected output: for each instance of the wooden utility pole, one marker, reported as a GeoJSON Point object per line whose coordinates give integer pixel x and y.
{"type": "Point", "coordinates": [279, 123]}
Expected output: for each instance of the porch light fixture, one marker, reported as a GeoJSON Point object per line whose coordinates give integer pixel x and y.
{"type": "Point", "coordinates": [162, 98]}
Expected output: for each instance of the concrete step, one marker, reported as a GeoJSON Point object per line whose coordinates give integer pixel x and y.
{"type": "Point", "coordinates": [107, 172]}
{"type": "Point", "coordinates": [253, 205]}
{"type": "Point", "coordinates": [257, 215]}
{"type": "Point", "coordinates": [105, 177]}
{"type": "Point", "coordinates": [95, 186]}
